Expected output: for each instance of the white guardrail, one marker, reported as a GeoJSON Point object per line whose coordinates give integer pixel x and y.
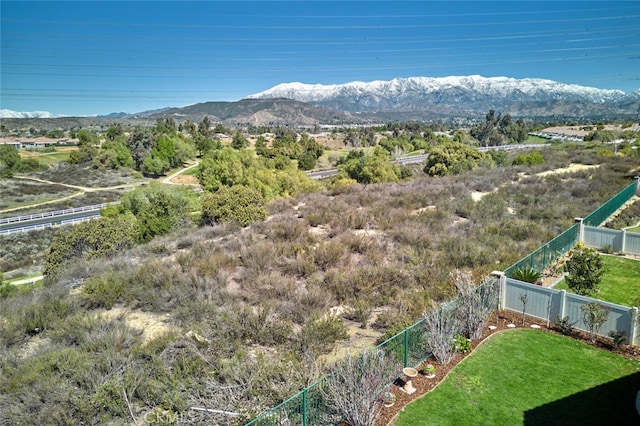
{"type": "Point", "coordinates": [53, 213]}
{"type": "Point", "coordinates": [48, 225]}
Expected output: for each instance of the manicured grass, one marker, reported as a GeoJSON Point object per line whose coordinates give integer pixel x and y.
{"type": "Point", "coordinates": [535, 378]}
{"type": "Point", "coordinates": [620, 281]}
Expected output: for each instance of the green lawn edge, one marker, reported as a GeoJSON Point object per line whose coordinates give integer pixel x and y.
{"type": "Point", "coordinates": [532, 377]}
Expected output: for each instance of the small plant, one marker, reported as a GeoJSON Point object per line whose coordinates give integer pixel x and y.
{"type": "Point", "coordinates": [565, 325]}
{"type": "Point", "coordinates": [461, 344]}
{"type": "Point", "coordinates": [619, 338]}
{"type": "Point", "coordinates": [607, 249]}
{"type": "Point", "coordinates": [528, 275]}
{"type": "Point", "coordinates": [524, 299]}
{"type": "Point", "coordinates": [428, 370]}
{"type": "Point", "coordinates": [388, 399]}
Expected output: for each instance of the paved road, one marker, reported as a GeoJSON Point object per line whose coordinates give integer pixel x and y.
{"type": "Point", "coordinates": [47, 221]}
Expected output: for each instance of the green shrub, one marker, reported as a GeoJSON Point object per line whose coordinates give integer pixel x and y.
{"type": "Point", "coordinates": [619, 338]}
{"type": "Point", "coordinates": [565, 325]}
{"type": "Point", "coordinates": [531, 159]}
{"type": "Point", "coordinates": [239, 203]}
{"type": "Point", "coordinates": [528, 275]}
{"type": "Point", "coordinates": [461, 344]}
{"type": "Point", "coordinates": [103, 291]}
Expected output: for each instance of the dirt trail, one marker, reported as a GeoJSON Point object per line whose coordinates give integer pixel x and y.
{"type": "Point", "coordinates": [82, 188]}
{"type": "Point", "coordinates": [171, 180]}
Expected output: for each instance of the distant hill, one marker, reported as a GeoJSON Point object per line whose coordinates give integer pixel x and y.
{"type": "Point", "coordinates": [256, 112]}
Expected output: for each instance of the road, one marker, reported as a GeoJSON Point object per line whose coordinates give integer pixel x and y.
{"type": "Point", "coordinates": [49, 219]}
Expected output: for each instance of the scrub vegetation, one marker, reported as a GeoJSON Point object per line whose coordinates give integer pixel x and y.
{"type": "Point", "coordinates": [240, 314]}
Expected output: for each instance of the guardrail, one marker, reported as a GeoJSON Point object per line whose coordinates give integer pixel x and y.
{"type": "Point", "coordinates": [53, 213]}
{"type": "Point", "coordinates": [48, 225]}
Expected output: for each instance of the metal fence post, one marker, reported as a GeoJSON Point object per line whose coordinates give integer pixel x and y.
{"type": "Point", "coordinates": [305, 412]}
{"type": "Point", "coordinates": [405, 361]}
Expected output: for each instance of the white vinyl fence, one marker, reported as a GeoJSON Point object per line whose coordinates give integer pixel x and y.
{"type": "Point", "coordinates": [548, 305]}
{"type": "Point", "coordinates": [618, 241]}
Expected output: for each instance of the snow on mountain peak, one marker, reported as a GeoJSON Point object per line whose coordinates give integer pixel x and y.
{"type": "Point", "coordinates": [490, 86]}
{"type": "Point", "coordinates": [7, 113]}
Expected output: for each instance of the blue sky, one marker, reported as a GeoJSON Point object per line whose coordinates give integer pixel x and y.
{"type": "Point", "coordinates": [85, 58]}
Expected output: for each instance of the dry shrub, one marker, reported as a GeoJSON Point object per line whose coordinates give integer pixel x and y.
{"type": "Point", "coordinates": [330, 255]}
{"type": "Point", "coordinates": [269, 285]}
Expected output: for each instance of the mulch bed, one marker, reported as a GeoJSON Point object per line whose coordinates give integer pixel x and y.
{"type": "Point", "coordinates": [424, 385]}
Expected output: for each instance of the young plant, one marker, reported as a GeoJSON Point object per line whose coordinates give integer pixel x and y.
{"type": "Point", "coordinates": [619, 338]}
{"type": "Point", "coordinates": [594, 315]}
{"type": "Point", "coordinates": [565, 325]}
{"type": "Point", "coordinates": [461, 344]}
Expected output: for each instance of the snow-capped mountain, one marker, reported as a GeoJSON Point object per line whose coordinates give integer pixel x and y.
{"type": "Point", "coordinates": [7, 113]}
{"type": "Point", "coordinates": [455, 94]}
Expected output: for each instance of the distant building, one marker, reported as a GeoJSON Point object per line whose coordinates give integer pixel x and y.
{"type": "Point", "coordinates": [37, 143]}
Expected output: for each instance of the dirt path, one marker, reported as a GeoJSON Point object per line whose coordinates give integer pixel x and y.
{"type": "Point", "coordinates": [82, 188]}
{"type": "Point", "coordinates": [171, 180]}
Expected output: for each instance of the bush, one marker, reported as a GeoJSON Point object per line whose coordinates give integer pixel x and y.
{"type": "Point", "coordinates": [239, 203]}
{"type": "Point", "coordinates": [461, 344]}
{"type": "Point", "coordinates": [619, 338]}
{"type": "Point", "coordinates": [532, 159]}
{"type": "Point", "coordinates": [565, 325]}
{"type": "Point", "coordinates": [528, 275]}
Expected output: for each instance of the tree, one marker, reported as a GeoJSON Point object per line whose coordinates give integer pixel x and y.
{"type": "Point", "coordinates": [584, 269]}
{"type": "Point", "coordinates": [9, 159]}
{"type": "Point", "coordinates": [354, 388]}
{"type": "Point", "coordinates": [238, 203]}
{"type": "Point", "coordinates": [204, 127]}
{"type": "Point", "coordinates": [593, 316]}
{"type": "Point", "coordinates": [157, 209]}
{"type": "Point", "coordinates": [140, 143]}
{"type": "Point", "coordinates": [239, 141]}
{"type": "Point", "coordinates": [454, 158]}
{"type": "Point", "coordinates": [370, 168]}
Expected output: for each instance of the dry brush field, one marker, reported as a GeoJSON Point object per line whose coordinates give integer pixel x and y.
{"type": "Point", "coordinates": [240, 319]}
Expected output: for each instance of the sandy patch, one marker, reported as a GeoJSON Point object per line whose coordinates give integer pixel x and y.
{"type": "Point", "coordinates": [185, 180]}
{"type": "Point", "coordinates": [571, 169]}
{"type": "Point", "coordinates": [477, 195]}
{"type": "Point", "coordinates": [151, 325]}
{"type": "Point", "coordinates": [422, 209]}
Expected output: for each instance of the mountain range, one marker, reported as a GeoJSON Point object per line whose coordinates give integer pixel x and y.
{"type": "Point", "coordinates": [463, 96]}
{"type": "Point", "coordinates": [401, 99]}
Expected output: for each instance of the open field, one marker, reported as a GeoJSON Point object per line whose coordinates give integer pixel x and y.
{"type": "Point", "coordinates": [620, 282]}
{"type": "Point", "coordinates": [534, 378]}
{"type": "Point", "coordinates": [60, 154]}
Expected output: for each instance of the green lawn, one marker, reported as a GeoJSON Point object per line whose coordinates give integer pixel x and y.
{"type": "Point", "coordinates": [534, 378]}
{"type": "Point", "coordinates": [620, 281]}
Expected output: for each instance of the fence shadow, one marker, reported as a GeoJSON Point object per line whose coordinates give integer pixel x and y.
{"type": "Point", "coordinates": [587, 408]}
